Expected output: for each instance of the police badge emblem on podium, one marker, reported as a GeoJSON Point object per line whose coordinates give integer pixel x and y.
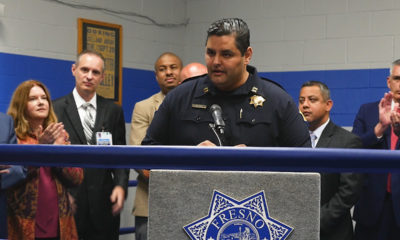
{"type": "Point", "coordinates": [240, 220]}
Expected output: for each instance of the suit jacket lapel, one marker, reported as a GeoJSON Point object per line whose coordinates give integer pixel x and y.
{"type": "Point", "coordinates": [388, 134]}
{"type": "Point", "coordinates": [388, 137]}
{"type": "Point", "coordinates": [325, 138]}
{"type": "Point", "coordinates": [397, 144]}
{"type": "Point", "coordinates": [100, 111]}
{"type": "Point", "coordinates": [73, 117]}
{"type": "Point", "coordinates": [158, 99]}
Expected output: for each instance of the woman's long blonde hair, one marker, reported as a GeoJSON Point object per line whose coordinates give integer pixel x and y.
{"type": "Point", "coordinates": [17, 108]}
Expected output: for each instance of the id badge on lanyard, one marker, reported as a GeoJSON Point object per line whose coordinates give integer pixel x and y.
{"type": "Point", "coordinates": [104, 138]}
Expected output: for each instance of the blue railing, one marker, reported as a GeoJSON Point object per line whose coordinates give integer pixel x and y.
{"type": "Point", "coordinates": [203, 158]}
{"type": "Point", "coordinates": [126, 230]}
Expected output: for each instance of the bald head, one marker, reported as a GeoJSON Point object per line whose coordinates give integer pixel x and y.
{"type": "Point", "coordinates": [192, 70]}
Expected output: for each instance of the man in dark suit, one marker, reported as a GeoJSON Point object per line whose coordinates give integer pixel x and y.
{"type": "Point", "coordinates": [8, 174]}
{"type": "Point", "coordinates": [377, 213]}
{"type": "Point", "coordinates": [339, 191]}
{"type": "Point", "coordinates": [100, 198]}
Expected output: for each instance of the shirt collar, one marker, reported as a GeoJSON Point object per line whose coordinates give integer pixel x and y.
{"type": "Point", "coordinates": [317, 132]}
{"type": "Point", "coordinates": [249, 87]}
{"type": "Point", "coordinates": [79, 100]}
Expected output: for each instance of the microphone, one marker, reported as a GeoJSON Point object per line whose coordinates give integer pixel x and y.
{"type": "Point", "coordinates": [216, 113]}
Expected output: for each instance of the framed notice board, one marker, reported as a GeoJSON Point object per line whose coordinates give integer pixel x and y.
{"type": "Point", "coordinates": [105, 38]}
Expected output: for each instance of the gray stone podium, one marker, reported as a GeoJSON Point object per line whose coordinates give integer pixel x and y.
{"type": "Point", "coordinates": [178, 198]}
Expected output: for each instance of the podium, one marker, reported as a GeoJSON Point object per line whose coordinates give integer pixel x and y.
{"type": "Point", "coordinates": [229, 205]}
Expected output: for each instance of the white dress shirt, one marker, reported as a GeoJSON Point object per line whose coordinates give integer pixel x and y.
{"type": "Point", "coordinates": [80, 101]}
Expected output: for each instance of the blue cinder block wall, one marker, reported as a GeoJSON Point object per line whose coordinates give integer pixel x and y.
{"type": "Point", "coordinates": [349, 88]}
{"type": "Point", "coordinates": [56, 75]}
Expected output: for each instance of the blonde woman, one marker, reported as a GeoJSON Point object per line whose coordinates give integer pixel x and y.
{"type": "Point", "coordinates": [38, 208]}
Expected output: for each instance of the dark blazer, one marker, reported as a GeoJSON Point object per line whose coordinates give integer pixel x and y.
{"type": "Point", "coordinates": [369, 208]}
{"type": "Point", "coordinates": [339, 191]}
{"type": "Point", "coordinates": [7, 135]}
{"type": "Point", "coordinates": [93, 195]}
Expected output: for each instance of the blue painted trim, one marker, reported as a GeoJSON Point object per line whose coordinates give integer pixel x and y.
{"type": "Point", "coordinates": [350, 88]}
{"type": "Point", "coordinates": [126, 230]}
{"type": "Point", "coordinates": [56, 75]}
{"type": "Point", "coordinates": [132, 183]}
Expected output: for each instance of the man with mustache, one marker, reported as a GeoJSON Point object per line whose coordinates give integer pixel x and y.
{"type": "Point", "coordinates": [167, 70]}
{"type": "Point", "coordinates": [256, 112]}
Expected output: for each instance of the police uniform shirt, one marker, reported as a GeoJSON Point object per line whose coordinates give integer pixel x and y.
{"type": "Point", "coordinates": [272, 120]}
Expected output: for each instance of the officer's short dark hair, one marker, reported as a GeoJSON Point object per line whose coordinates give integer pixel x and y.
{"type": "Point", "coordinates": [229, 26]}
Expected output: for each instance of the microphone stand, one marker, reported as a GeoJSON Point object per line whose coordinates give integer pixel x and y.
{"type": "Point", "coordinates": [220, 137]}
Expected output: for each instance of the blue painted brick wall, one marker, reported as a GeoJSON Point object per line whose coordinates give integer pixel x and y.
{"type": "Point", "coordinates": [56, 75]}
{"type": "Point", "coordinates": [349, 88]}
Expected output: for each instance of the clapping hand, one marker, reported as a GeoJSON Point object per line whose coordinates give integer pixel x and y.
{"type": "Point", "coordinates": [395, 119]}
{"type": "Point", "coordinates": [63, 138]}
{"type": "Point", "coordinates": [4, 169]}
{"type": "Point", "coordinates": [385, 109]}
{"type": "Point", "coordinates": [50, 134]}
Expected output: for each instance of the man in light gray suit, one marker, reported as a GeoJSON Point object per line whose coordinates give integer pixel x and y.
{"type": "Point", "coordinates": [339, 191]}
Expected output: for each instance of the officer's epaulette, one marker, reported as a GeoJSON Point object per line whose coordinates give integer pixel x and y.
{"type": "Point", "coordinates": [273, 82]}
{"type": "Point", "coordinates": [193, 78]}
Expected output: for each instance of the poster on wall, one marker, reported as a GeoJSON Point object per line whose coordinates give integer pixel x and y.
{"type": "Point", "coordinates": [105, 38]}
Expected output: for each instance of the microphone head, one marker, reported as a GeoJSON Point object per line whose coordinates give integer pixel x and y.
{"type": "Point", "coordinates": [215, 107]}
{"type": "Point", "coordinates": [216, 113]}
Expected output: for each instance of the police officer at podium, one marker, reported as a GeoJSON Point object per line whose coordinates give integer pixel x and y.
{"type": "Point", "coordinates": [231, 105]}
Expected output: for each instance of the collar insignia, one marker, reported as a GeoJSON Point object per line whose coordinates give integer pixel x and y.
{"type": "Point", "coordinates": [205, 90]}
{"type": "Point", "coordinates": [257, 100]}
{"type": "Point", "coordinates": [254, 89]}
{"type": "Point", "coordinates": [232, 219]}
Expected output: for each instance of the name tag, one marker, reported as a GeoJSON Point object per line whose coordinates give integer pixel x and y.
{"type": "Point", "coordinates": [104, 138]}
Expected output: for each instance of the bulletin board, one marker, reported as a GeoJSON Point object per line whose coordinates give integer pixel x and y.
{"type": "Point", "coordinates": [105, 38]}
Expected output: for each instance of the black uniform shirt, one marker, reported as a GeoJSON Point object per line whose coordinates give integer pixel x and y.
{"type": "Point", "coordinates": [183, 118]}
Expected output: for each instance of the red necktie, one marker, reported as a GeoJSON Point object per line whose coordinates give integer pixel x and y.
{"type": "Point", "coordinates": [393, 143]}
